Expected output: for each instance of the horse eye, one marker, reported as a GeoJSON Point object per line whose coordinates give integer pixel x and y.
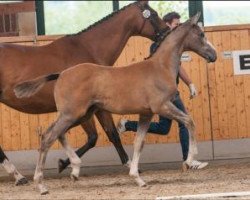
{"type": "Point", "coordinates": [202, 35]}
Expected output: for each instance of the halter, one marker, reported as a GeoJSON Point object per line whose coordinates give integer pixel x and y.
{"type": "Point", "coordinates": [152, 17]}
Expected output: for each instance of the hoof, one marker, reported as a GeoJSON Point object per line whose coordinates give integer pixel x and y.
{"type": "Point", "coordinates": [22, 181]}
{"type": "Point", "coordinates": [147, 187]}
{"type": "Point", "coordinates": [74, 177]}
{"type": "Point", "coordinates": [44, 192]}
{"type": "Point", "coordinates": [143, 184]}
{"type": "Point", "coordinates": [61, 165]}
{"type": "Point", "coordinates": [140, 182]}
{"type": "Point", "coordinates": [185, 167]}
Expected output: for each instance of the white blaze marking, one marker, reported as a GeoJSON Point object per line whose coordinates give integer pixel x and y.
{"type": "Point", "coordinates": [210, 44]}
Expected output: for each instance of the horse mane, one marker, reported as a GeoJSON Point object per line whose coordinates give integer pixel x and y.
{"type": "Point", "coordinates": [102, 20]}
{"type": "Point", "coordinates": [160, 40]}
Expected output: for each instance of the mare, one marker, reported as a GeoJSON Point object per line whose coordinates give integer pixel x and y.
{"type": "Point", "coordinates": [85, 88]}
{"type": "Point", "coordinates": [101, 43]}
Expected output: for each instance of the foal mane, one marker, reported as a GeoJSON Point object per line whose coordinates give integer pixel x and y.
{"type": "Point", "coordinates": [102, 20]}
{"type": "Point", "coordinates": [160, 40]}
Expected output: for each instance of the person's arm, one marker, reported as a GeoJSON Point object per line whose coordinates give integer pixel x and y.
{"type": "Point", "coordinates": [185, 78]}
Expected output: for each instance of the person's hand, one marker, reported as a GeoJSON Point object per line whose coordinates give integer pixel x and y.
{"type": "Point", "coordinates": [192, 89]}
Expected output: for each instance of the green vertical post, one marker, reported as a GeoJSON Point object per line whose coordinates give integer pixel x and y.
{"type": "Point", "coordinates": [194, 7]}
{"type": "Point", "coordinates": [115, 5]}
{"type": "Point", "coordinates": [40, 18]}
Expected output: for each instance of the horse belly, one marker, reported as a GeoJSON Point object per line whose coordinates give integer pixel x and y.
{"type": "Point", "coordinates": [124, 105]}
{"type": "Point", "coordinates": [42, 102]}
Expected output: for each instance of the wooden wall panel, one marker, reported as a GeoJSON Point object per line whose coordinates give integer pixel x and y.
{"type": "Point", "coordinates": [239, 90]}
{"type": "Point", "coordinates": [205, 102]}
{"type": "Point", "coordinates": [220, 87]}
{"type": "Point", "coordinates": [228, 92]}
{"type": "Point", "coordinates": [17, 18]}
{"type": "Point", "coordinates": [25, 131]}
{"type": "Point", "coordinates": [6, 128]}
{"type": "Point", "coordinates": [15, 130]}
{"type": "Point", "coordinates": [229, 88]}
{"type": "Point", "coordinates": [33, 125]}
{"type": "Point", "coordinates": [247, 84]}
{"type": "Point", "coordinates": [243, 111]}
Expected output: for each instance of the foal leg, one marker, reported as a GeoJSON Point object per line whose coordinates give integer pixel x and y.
{"type": "Point", "coordinates": [143, 126]}
{"type": "Point", "coordinates": [108, 125]}
{"type": "Point", "coordinates": [48, 138]}
{"type": "Point", "coordinates": [11, 169]}
{"type": "Point", "coordinates": [90, 129]}
{"type": "Point", "coordinates": [169, 110]}
{"type": "Point", "coordinates": [74, 159]}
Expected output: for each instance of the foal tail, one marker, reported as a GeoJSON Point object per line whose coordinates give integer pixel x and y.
{"type": "Point", "coordinates": [29, 88]}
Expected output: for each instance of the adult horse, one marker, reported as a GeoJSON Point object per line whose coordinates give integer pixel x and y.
{"type": "Point", "coordinates": [85, 88]}
{"type": "Point", "coordinates": [100, 43]}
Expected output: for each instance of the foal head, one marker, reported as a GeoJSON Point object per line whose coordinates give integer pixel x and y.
{"type": "Point", "coordinates": [149, 24]}
{"type": "Point", "coordinates": [195, 40]}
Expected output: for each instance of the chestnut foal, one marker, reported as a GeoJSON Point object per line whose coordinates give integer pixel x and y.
{"type": "Point", "coordinates": [144, 88]}
{"type": "Point", "coordinates": [100, 43]}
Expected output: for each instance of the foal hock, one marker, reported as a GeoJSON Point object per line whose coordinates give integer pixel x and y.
{"type": "Point", "coordinates": [152, 83]}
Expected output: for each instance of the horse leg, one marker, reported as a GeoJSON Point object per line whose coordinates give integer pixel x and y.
{"type": "Point", "coordinates": [11, 169]}
{"type": "Point", "coordinates": [74, 159]}
{"type": "Point", "coordinates": [48, 138]}
{"type": "Point", "coordinates": [143, 126]}
{"type": "Point", "coordinates": [90, 129]}
{"type": "Point", "coordinates": [108, 125]}
{"type": "Point", "coordinates": [169, 110]}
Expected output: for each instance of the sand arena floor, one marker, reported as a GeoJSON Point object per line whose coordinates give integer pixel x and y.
{"type": "Point", "coordinates": [164, 179]}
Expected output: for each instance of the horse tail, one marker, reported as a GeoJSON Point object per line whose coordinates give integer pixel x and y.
{"type": "Point", "coordinates": [29, 88]}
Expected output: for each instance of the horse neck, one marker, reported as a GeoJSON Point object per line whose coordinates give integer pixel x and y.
{"type": "Point", "coordinates": [104, 42]}
{"type": "Point", "coordinates": [168, 55]}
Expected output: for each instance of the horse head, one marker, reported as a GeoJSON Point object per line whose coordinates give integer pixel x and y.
{"type": "Point", "coordinates": [195, 40]}
{"type": "Point", "coordinates": [150, 25]}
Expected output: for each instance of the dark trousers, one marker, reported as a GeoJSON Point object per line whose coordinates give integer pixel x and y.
{"type": "Point", "coordinates": [163, 126]}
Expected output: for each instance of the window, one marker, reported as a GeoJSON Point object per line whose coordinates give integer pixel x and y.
{"type": "Point", "coordinates": [163, 7]}
{"type": "Point", "coordinates": [10, 1]}
{"type": "Point", "coordinates": [124, 3]}
{"type": "Point", "coordinates": [226, 12]}
{"type": "Point", "coordinates": [66, 17]}
{"type": "Point", "coordinates": [17, 18]}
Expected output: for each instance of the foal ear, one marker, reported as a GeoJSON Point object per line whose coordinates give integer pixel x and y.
{"type": "Point", "coordinates": [194, 19]}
